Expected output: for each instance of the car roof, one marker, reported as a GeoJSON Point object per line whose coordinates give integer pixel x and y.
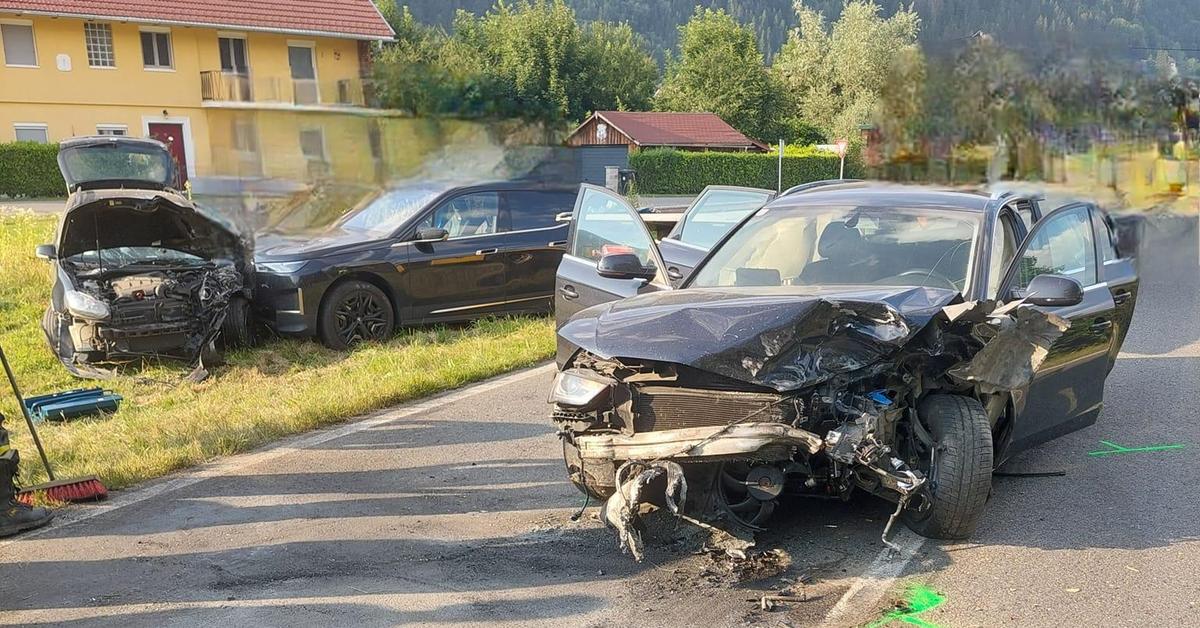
{"type": "Point", "coordinates": [868, 194]}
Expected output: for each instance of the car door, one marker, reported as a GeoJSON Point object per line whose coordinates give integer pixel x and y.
{"type": "Point", "coordinates": [1119, 271]}
{"type": "Point", "coordinates": [1067, 391]}
{"type": "Point", "coordinates": [534, 245]}
{"type": "Point", "coordinates": [602, 223]}
{"type": "Point", "coordinates": [464, 275]}
{"type": "Point", "coordinates": [715, 211]}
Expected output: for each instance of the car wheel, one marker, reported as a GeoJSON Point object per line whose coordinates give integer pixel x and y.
{"type": "Point", "coordinates": [960, 476]}
{"type": "Point", "coordinates": [353, 312]}
{"type": "Point", "coordinates": [238, 328]}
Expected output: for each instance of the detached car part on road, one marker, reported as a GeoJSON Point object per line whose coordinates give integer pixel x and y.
{"type": "Point", "coordinates": [901, 341]}
{"type": "Point", "coordinates": [139, 270]}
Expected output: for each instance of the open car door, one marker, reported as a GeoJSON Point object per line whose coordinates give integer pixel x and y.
{"type": "Point", "coordinates": [604, 224]}
{"type": "Point", "coordinates": [715, 211]}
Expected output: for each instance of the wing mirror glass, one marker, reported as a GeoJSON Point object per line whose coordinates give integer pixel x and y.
{"type": "Point", "coordinates": [624, 266]}
{"type": "Point", "coordinates": [45, 251]}
{"type": "Point", "coordinates": [1053, 291]}
{"type": "Point", "coordinates": [429, 235]}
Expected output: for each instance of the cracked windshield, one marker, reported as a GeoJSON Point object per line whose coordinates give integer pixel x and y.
{"type": "Point", "coordinates": [836, 313]}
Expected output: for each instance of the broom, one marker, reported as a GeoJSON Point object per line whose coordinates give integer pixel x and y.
{"type": "Point", "coordinates": [86, 488]}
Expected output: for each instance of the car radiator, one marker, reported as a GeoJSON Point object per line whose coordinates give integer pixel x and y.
{"type": "Point", "coordinates": [657, 408]}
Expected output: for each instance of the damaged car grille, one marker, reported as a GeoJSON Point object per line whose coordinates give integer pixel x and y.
{"type": "Point", "coordinates": [657, 408]}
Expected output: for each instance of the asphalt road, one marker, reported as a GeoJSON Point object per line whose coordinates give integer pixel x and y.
{"type": "Point", "coordinates": [455, 511]}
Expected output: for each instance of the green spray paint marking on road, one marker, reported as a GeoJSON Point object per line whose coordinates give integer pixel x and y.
{"type": "Point", "coordinates": [920, 599]}
{"type": "Point", "coordinates": [1114, 448]}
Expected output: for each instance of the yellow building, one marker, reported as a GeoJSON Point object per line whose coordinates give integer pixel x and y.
{"type": "Point", "coordinates": [247, 89]}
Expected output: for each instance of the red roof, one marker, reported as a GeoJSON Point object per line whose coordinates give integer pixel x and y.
{"type": "Point", "coordinates": [669, 128]}
{"type": "Point", "coordinates": [357, 19]}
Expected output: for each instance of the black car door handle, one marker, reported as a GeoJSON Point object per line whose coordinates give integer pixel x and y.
{"type": "Point", "coordinates": [558, 244]}
{"type": "Point", "coordinates": [674, 273]}
{"type": "Point", "coordinates": [569, 292]}
{"type": "Point", "coordinates": [1101, 325]}
{"type": "Point", "coordinates": [487, 251]}
{"type": "Point", "coordinates": [1121, 297]}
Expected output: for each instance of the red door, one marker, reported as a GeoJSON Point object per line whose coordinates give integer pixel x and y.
{"type": "Point", "coordinates": [171, 134]}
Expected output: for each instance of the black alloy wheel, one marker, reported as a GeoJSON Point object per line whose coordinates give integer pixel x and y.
{"type": "Point", "coordinates": [354, 312]}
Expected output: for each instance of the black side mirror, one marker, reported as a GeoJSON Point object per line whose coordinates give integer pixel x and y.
{"type": "Point", "coordinates": [45, 251]}
{"type": "Point", "coordinates": [1054, 291]}
{"type": "Point", "coordinates": [624, 266]}
{"type": "Point", "coordinates": [429, 235]}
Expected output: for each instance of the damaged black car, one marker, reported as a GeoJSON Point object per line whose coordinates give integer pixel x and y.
{"type": "Point", "coordinates": [847, 337]}
{"type": "Point", "coordinates": [140, 271]}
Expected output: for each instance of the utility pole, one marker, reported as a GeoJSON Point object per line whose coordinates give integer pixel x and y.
{"type": "Point", "coordinates": [779, 179]}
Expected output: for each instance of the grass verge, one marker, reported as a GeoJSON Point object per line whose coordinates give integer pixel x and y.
{"type": "Point", "coordinates": [262, 394]}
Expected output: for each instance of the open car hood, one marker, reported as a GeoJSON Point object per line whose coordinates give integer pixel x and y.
{"type": "Point", "coordinates": [131, 217]}
{"type": "Point", "coordinates": [786, 340]}
{"type": "Point", "coordinates": [114, 162]}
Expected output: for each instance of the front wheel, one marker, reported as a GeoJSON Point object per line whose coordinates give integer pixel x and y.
{"type": "Point", "coordinates": [960, 476]}
{"type": "Point", "coordinates": [353, 312]}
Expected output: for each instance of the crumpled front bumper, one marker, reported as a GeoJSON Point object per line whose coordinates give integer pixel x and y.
{"type": "Point", "coordinates": [695, 442]}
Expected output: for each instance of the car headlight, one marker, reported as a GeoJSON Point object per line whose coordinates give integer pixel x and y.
{"type": "Point", "coordinates": [579, 389]}
{"type": "Point", "coordinates": [85, 306]}
{"type": "Point", "coordinates": [280, 268]}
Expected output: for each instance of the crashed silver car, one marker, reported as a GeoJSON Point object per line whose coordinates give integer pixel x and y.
{"type": "Point", "coordinates": [139, 271]}
{"type": "Point", "coordinates": [847, 337]}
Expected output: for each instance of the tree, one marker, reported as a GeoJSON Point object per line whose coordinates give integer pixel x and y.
{"type": "Point", "coordinates": [835, 74]}
{"type": "Point", "coordinates": [621, 73]}
{"type": "Point", "coordinates": [719, 68]}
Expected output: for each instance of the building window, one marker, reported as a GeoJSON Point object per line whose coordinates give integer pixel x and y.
{"type": "Point", "coordinates": [156, 49]}
{"type": "Point", "coordinates": [112, 129]}
{"type": "Point", "coordinates": [19, 49]}
{"type": "Point", "coordinates": [31, 132]}
{"type": "Point", "coordinates": [245, 136]}
{"type": "Point", "coordinates": [312, 144]}
{"type": "Point", "coordinates": [99, 40]}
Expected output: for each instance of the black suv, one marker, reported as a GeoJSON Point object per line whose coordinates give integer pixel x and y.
{"type": "Point", "coordinates": [412, 254]}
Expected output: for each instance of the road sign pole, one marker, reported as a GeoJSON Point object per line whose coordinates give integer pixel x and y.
{"type": "Point", "coordinates": [779, 179]}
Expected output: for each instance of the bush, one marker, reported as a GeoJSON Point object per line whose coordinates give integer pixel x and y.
{"type": "Point", "coordinates": [30, 169]}
{"type": "Point", "coordinates": [668, 171]}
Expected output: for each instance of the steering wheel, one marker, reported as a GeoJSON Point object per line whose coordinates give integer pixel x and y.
{"type": "Point", "coordinates": [926, 275]}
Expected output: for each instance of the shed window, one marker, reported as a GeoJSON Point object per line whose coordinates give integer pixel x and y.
{"type": "Point", "coordinates": [99, 40]}
{"type": "Point", "coordinates": [156, 50]}
{"type": "Point", "coordinates": [18, 44]}
{"type": "Point", "coordinates": [31, 133]}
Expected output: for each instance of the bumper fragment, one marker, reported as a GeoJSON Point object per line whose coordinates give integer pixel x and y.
{"type": "Point", "coordinates": [695, 442]}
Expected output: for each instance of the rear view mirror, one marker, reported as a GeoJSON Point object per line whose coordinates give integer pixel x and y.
{"type": "Point", "coordinates": [45, 251]}
{"type": "Point", "coordinates": [1054, 291]}
{"type": "Point", "coordinates": [624, 266]}
{"type": "Point", "coordinates": [429, 235]}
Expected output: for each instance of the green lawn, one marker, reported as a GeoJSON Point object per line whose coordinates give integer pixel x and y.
{"type": "Point", "coordinates": [262, 394]}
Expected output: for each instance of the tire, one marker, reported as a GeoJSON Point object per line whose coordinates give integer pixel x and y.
{"type": "Point", "coordinates": [961, 477]}
{"type": "Point", "coordinates": [353, 312]}
{"type": "Point", "coordinates": [238, 328]}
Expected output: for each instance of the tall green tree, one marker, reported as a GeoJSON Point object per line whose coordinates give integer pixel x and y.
{"type": "Point", "coordinates": [835, 73]}
{"type": "Point", "coordinates": [719, 68]}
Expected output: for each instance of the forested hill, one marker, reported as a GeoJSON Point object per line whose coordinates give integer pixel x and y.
{"type": "Point", "coordinates": [1120, 27]}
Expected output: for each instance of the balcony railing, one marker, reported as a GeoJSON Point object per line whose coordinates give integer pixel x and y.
{"type": "Point", "coordinates": [218, 86]}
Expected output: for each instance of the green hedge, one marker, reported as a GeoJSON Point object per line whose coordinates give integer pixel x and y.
{"type": "Point", "coordinates": [667, 171]}
{"type": "Point", "coordinates": [30, 169]}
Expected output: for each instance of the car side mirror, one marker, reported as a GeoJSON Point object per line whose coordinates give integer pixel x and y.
{"type": "Point", "coordinates": [45, 251]}
{"type": "Point", "coordinates": [1053, 291]}
{"type": "Point", "coordinates": [430, 235]}
{"type": "Point", "coordinates": [624, 266]}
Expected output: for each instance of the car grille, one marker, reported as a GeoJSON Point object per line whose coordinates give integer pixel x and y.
{"type": "Point", "coordinates": [657, 408]}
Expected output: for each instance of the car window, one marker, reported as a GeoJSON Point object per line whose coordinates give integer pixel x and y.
{"type": "Point", "coordinates": [536, 209]}
{"type": "Point", "coordinates": [716, 213]}
{"type": "Point", "coordinates": [1024, 209]}
{"type": "Point", "coordinates": [1004, 249]}
{"type": "Point", "coordinates": [467, 215]}
{"type": "Point", "coordinates": [381, 213]}
{"type": "Point", "coordinates": [1061, 245]}
{"type": "Point", "coordinates": [819, 246]}
{"type": "Point", "coordinates": [604, 226]}
{"type": "Point", "coordinates": [1108, 239]}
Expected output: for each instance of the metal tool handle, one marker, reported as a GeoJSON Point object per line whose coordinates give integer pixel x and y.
{"type": "Point", "coordinates": [25, 411]}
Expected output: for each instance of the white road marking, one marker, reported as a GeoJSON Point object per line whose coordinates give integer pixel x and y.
{"type": "Point", "coordinates": [877, 580]}
{"type": "Point", "coordinates": [233, 464]}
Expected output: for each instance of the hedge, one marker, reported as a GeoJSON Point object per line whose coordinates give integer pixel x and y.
{"type": "Point", "coordinates": [30, 169]}
{"type": "Point", "coordinates": [668, 171]}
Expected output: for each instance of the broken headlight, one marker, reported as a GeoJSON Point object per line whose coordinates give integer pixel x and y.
{"type": "Point", "coordinates": [579, 389]}
{"type": "Point", "coordinates": [85, 306]}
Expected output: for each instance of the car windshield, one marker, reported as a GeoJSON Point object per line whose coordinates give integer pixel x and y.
{"type": "Point", "coordinates": [389, 210]}
{"type": "Point", "coordinates": [823, 246]}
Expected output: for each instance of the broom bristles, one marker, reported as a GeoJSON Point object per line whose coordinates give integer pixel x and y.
{"type": "Point", "coordinates": [85, 489]}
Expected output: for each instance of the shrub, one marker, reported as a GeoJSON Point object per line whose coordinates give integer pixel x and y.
{"type": "Point", "coordinates": [30, 169]}
{"type": "Point", "coordinates": [669, 171]}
